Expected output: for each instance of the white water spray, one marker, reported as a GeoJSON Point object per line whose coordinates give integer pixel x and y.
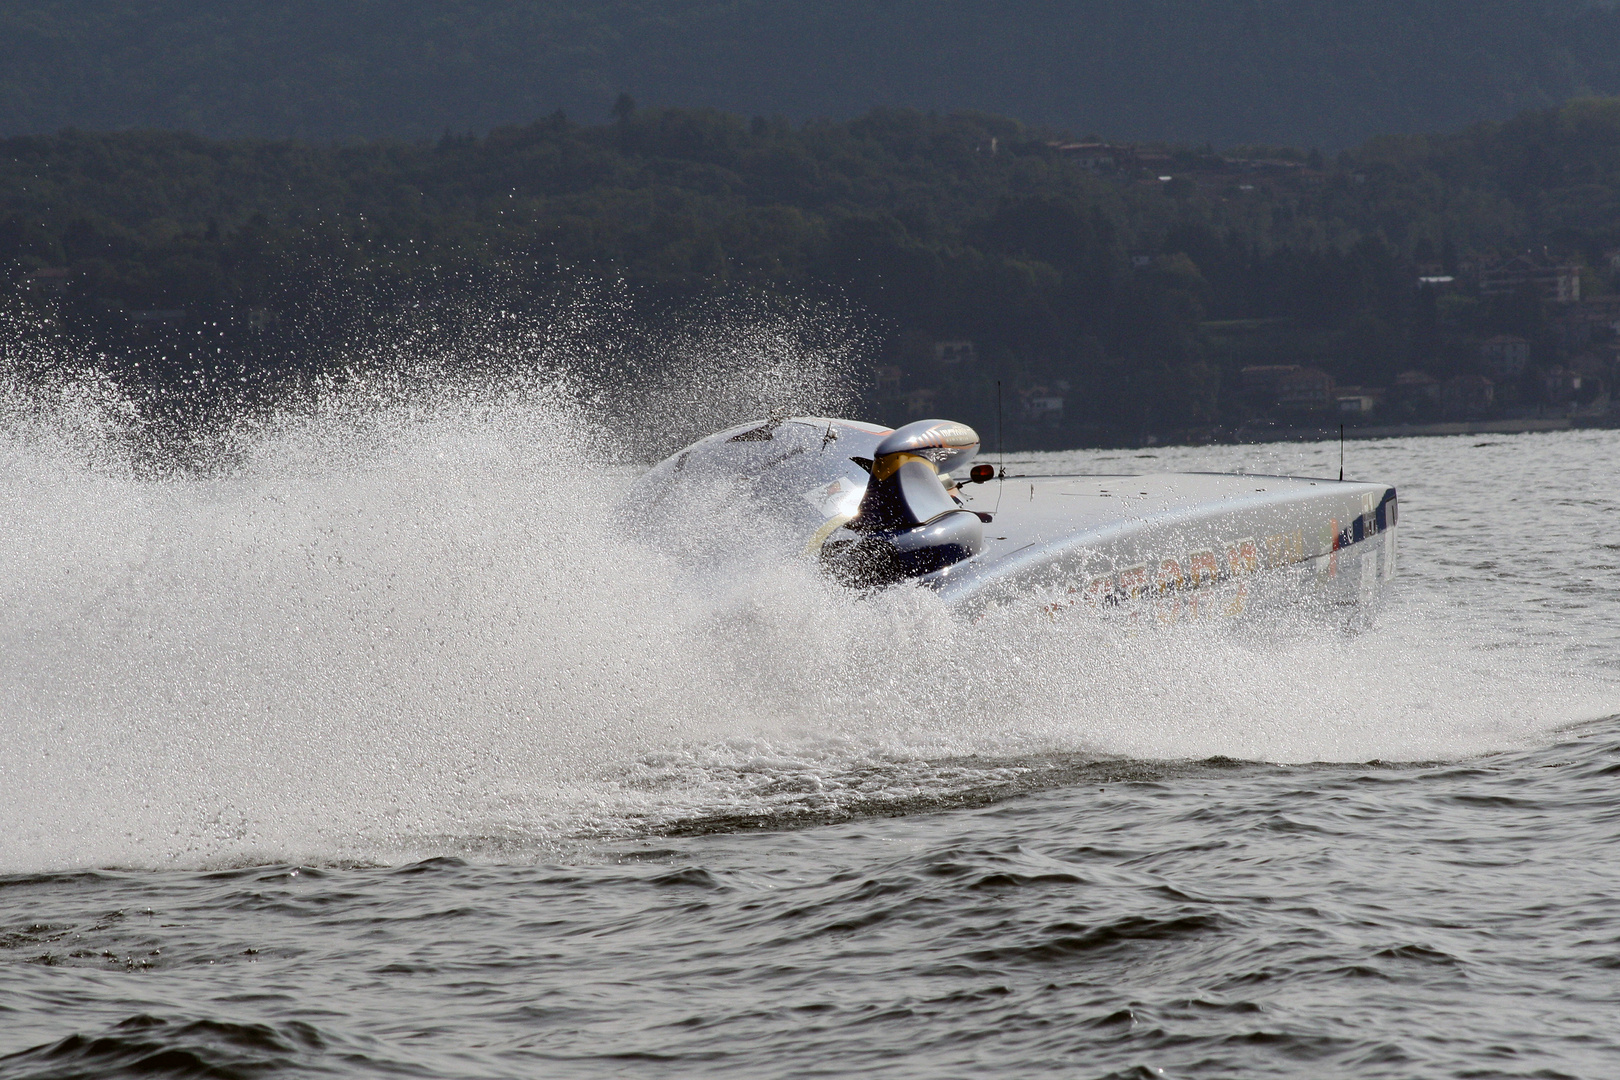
{"type": "Point", "coordinates": [395, 625]}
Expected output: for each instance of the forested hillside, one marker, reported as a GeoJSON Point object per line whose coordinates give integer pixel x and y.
{"type": "Point", "coordinates": [1139, 288]}
{"type": "Point", "coordinates": [1305, 72]}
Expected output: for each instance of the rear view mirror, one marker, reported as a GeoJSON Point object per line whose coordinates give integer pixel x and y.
{"type": "Point", "coordinates": [980, 473]}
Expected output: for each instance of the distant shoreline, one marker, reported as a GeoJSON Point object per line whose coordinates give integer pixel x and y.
{"type": "Point", "coordinates": [1400, 431]}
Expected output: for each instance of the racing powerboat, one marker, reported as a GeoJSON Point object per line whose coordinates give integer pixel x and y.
{"type": "Point", "coordinates": [876, 507]}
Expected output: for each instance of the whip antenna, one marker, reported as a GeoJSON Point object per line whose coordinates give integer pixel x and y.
{"type": "Point", "coordinates": [1001, 447]}
{"type": "Point", "coordinates": [1341, 453]}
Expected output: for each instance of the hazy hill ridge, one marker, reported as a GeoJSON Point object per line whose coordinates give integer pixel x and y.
{"type": "Point", "coordinates": [1328, 72]}
{"type": "Point", "coordinates": [1145, 290]}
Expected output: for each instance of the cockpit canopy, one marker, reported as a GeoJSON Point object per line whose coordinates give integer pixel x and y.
{"type": "Point", "coordinates": [868, 501]}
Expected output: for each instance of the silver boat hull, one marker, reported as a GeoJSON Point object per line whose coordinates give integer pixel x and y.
{"type": "Point", "coordinates": [1177, 542]}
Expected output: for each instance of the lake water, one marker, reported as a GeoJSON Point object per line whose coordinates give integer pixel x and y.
{"type": "Point", "coordinates": [380, 752]}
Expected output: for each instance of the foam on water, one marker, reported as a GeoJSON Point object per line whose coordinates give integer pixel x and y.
{"type": "Point", "coordinates": [389, 626]}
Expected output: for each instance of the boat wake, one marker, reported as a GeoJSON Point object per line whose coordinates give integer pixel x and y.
{"type": "Point", "coordinates": [389, 625]}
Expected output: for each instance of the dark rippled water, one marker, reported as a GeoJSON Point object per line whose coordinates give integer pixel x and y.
{"type": "Point", "coordinates": [1017, 880]}
{"type": "Point", "coordinates": [1209, 919]}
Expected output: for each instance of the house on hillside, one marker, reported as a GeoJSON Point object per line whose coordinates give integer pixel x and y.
{"type": "Point", "coordinates": [1554, 282]}
{"type": "Point", "coordinates": [1042, 404]}
{"type": "Point", "coordinates": [921, 402]}
{"type": "Point", "coordinates": [1414, 394]}
{"type": "Point", "coordinates": [1504, 355]}
{"type": "Point", "coordinates": [1260, 381]}
{"type": "Point", "coordinates": [1158, 164]}
{"type": "Point", "coordinates": [1307, 389]}
{"type": "Point", "coordinates": [955, 352]}
{"type": "Point", "coordinates": [1288, 386]}
{"type": "Point", "coordinates": [1096, 156]}
{"type": "Point", "coordinates": [1416, 386]}
{"type": "Point", "coordinates": [1353, 401]}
